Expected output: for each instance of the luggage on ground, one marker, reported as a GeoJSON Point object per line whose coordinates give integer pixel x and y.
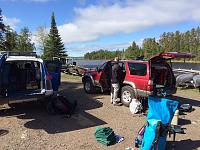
{"type": "Point", "coordinates": [106, 136]}
{"type": "Point", "coordinates": [60, 105]}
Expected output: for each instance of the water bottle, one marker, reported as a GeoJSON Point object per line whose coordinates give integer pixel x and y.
{"type": "Point", "coordinates": [138, 141]}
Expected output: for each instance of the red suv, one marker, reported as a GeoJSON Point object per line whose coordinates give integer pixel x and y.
{"type": "Point", "coordinates": [139, 79]}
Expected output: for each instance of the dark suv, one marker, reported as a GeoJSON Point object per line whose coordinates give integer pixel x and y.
{"type": "Point", "coordinates": [139, 79]}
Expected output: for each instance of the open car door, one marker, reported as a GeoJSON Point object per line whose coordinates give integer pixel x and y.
{"type": "Point", "coordinates": [2, 62]}
{"type": "Point", "coordinates": [105, 77]}
{"type": "Point", "coordinates": [161, 73]}
{"type": "Point", "coordinates": [54, 69]}
{"type": "Point", "coordinates": [171, 55]}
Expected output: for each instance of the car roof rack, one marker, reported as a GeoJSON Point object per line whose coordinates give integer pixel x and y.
{"type": "Point", "coordinates": [9, 53]}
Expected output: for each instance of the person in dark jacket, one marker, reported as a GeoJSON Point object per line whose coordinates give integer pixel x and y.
{"type": "Point", "coordinates": [115, 82]}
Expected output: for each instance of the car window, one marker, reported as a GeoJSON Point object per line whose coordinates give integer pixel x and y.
{"type": "Point", "coordinates": [122, 65]}
{"type": "Point", "coordinates": [102, 67]}
{"type": "Point", "coordinates": [137, 69]}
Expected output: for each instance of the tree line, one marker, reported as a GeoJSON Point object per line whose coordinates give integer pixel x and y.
{"type": "Point", "coordinates": [49, 43]}
{"type": "Point", "coordinates": [102, 54]}
{"type": "Point", "coordinates": [188, 41]}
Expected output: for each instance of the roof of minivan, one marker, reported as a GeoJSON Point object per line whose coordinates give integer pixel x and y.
{"type": "Point", "coordinates": [28, 58]}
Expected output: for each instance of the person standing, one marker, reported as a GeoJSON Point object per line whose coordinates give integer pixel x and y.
{"type": "Point", "coordinates": [115, 82]}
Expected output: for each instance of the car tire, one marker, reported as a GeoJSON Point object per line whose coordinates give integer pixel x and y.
{"type": "Point", "coordinates": [88, 86]}
{"type": "Point", "coordinates": [127, 94]}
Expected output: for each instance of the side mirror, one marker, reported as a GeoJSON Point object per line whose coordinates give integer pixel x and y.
{"type": "Point", "coordinates": [97, 69]}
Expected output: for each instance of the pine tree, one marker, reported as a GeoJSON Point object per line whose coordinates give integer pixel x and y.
{"type": "Point", "coordinates": [198, 43]}
{"type": "Point", "coordinates": [150, 47]}
{"type": "Point", "coordinates": [182, 46]}
{"type": "Point", "coordinates": [2, 33]}
{"type": "Point", "coordinates": [193, 41]}
{"type": "Point", "coordinates": [172, 44]}
{"type": "Point", "coordinates": [168, 47]}
{"type": "Point", "coordinates": [132, 51]}
{"type": "Point", "coordinates": [54, 45]}
{"type": "Point", "coordinates": [11, 40]}
{"type": "Point", "coordinates": [177, 41]}
{"type": "Point", "coordinates": [164, 42]}
{"type": "Point", "coordinates": [24, 41]}
{"type": "Point", "coordinates": [186, 40]}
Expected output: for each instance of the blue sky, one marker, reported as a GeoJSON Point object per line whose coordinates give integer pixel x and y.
{"type": "Point", "coordinates": [87, 25]}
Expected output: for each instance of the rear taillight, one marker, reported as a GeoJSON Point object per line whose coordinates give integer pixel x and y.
{"type": "Point", "coordinates": [150, 85]}
{"type": "Point", "coordinates": [49, 77]}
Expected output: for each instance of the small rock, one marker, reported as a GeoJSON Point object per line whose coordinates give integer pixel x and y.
{"type": "Point", "coordinates": [24, 135]}
{"type": "Point", "coordinates": [193, 122]}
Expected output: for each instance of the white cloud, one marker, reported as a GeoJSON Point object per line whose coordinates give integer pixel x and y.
{"type": "Point", "coordinates": [12, 22]}
{"type": "Point", "coordinates": [130, 16]}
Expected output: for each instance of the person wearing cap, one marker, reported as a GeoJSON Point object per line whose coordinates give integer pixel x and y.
{"type": "Point", "coordinates": [115, 82]}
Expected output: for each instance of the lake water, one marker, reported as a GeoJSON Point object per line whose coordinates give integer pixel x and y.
{"type": "Point", "coordinates": [89, 63]}
{"type": "Point", "coordinates": [175, 65]}
{"type": "Point", "coordinates": [182, 65]}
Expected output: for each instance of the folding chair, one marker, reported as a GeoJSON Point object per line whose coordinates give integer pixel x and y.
{"type": "Point", "coordinates": [159, 116]}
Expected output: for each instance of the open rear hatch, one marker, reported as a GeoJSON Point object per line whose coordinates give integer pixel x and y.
{"type": "Point", "coordinates": [20, 80]}
{"type": "Point", "coordinates": [24, 80]}
{"type": "Point", "coordinates": [161, 74]}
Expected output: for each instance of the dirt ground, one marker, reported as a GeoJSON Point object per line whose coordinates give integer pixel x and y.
{"type": "Point", "coordinates": [30, 127]}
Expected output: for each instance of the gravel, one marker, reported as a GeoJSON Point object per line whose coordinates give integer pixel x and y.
{"type": "Point", "coordinates": [30, 127]}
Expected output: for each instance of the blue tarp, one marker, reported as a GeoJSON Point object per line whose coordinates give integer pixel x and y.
{"type": "Point", "coordinates": [160, 110]}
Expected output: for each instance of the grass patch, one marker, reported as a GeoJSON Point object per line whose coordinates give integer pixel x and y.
{"type": "Point", "coordinates": [70, 77]}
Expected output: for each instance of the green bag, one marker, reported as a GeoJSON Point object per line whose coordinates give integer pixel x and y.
{"type": "Point", "coordinates": [105, 136]}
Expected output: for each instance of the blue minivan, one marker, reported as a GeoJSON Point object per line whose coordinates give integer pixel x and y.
{"type": "Point", "coordinates": [24, 77]}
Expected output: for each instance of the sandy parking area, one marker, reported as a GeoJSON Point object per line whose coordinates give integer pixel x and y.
{"type": "Point", "coordinates": [30, 127]}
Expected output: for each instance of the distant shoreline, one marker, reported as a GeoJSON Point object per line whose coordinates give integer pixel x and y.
{"type": "Point", "coordinates": [175, 64]}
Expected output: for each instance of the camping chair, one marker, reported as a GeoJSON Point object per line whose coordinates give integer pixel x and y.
{"type": "Point", "coordinates": [160, 114]}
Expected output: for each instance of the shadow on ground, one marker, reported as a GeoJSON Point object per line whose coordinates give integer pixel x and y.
{"type": "Point", "coordinates": [182, 100]}
{"type": "Point", "coordinates": [36, 116]}
{"type": "Point", "coordinates": [183, 121]}
{"type": "Point", "coordinates": [184, 145]}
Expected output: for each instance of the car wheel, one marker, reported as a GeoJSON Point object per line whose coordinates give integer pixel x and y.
{"type": "Point", "coordinates": [88, 86]}
{"type": "Point", "coordinates": [127, 94]}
